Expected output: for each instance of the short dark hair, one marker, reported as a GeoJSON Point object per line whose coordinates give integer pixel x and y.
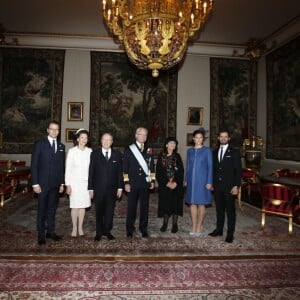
{"type": "Point", "coordinates": [53, 122]}
{"type": "Point", "coordinates": [199, 131]}
{"type": "Point", "coordinates": [170, 139]}
{"type": "Point", "coordinates": [221, 130]}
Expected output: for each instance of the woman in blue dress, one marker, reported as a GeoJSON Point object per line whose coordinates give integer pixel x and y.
{"type": "Point", "coordinates": [199, 176]}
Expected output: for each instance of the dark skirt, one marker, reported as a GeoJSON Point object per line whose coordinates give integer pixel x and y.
{"type": "Point", "coordinates": [170, 202]}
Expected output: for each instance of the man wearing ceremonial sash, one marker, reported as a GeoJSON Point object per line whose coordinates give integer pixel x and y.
{"type": "Point", "coordinates": [139, 177]}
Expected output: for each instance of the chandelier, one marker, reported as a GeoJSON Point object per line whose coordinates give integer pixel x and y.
{"type": "Point", "coordinates": [155, 33]}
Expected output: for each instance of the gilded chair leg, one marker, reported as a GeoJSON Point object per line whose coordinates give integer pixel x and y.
{"type": "Point", "coordinates": [263, 220]}
{"type": "Point", "coordinates": [13, 193]}
{"type": "Point", "coordinates": [239, 197]}
{"type": "Point", "coordinates": [249, 191]}
{"type": "Point", "coordinates": [290, 225]}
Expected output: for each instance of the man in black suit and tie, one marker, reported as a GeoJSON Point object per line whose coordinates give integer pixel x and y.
{"type": "Point", "coordinates": [47, 179]}
{"type": "Point", "coordinates": [226, 184]}
{"type": "Point", "coordinates": [105, 185]}
{"type": "Point", "coordinates": [139, 177]}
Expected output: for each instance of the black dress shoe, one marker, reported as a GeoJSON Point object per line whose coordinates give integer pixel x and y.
{"type": "Point", "coordinates": [110, 236]}
{"type": "Point", "coordinates": [145, 234]}
{"type": "Point", "coordinates": [41, 241]}
{"type": "Point", "coordinates": [215, 233]}
{"type": "Point", "coordinates": [53, 236]}
{"type": "Point", "coordinates": [229, 239]}
{"type": "Point", "coordinates": [163, 228]}
{"type": "Point", "coordinates": [174, 228]}
{"type": "Point", "coordinates": [97, 238]}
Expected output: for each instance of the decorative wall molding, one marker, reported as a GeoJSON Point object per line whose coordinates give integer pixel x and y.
{"type": "Point", "coordinates": [102, 43]}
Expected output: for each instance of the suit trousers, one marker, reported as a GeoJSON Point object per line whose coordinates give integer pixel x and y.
{"type": "Point", "coordinates": [105, 205]}
{"type": "Point", "coordinates": [136, 194]}
{"type": "Point", "coordinates": [225, 202]}
{"type": "Point", "coordinates": [47, 205]}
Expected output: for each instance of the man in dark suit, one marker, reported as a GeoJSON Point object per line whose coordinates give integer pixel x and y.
{"type": "Point", "coordinates": [227, 181]}
{"type": "Point", "coordinates": [105, 185]}
{"type": "Point", "coordinates": [139, 177]}
{"type": "Point", "coordinates": [47, 179]}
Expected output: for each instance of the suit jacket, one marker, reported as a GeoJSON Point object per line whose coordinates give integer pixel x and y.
{"type": "Point", "coordinates": [227, 174]}
{"type": "Point", "coordinates": [132, 171]}
{"type": "Point", "coordinates": [105, 176]}
{"type": "Point", "coordinates": [47, 167]}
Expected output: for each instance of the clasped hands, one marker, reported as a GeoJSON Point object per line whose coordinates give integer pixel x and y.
{"type": "Point", "coordinates": [171, 185]}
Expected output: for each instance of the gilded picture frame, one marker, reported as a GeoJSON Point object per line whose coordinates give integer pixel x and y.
{"type": "Point", "coordinates": [195, 116]}
{"type": "Point", "coordinates": [70, 133]}
{"type": "Point", "coordinates": [189, 140]}
{"type": "Point", "coordinates": [124, 98]}
{"type": "Point", "coordinates": [75, 111]}
{"type": "Point", "coordinates": [233, 99]}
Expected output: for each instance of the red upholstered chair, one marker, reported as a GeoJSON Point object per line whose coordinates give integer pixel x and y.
{"type": "Point", "coordinates": [18, 162]}
{"type": "Point", "coordinates": [7, 189]}
{"type": "Point", "coordinates": [278, 200]}
{"type": "Point", "coordinates": [250, 181]}
{"type": "Point", "coordinates": [294, 174]}
{"type": "Point", "coordinates": [281, 172]}
{"type": "Point", "coordinates": [3, 163]}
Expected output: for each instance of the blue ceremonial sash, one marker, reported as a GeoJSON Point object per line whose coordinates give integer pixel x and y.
{"type": "Point", "coordinates": [141, 160]}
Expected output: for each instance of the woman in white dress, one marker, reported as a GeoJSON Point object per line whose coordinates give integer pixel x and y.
{"type": "Point", "coordinates": [76, 180]}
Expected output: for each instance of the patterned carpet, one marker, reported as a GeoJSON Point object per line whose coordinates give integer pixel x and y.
{"type": "Point", "coordinates": [207, 279]}
{"type": "Point", "coordinates": [18, 235]}
{"type": "Point", "coordinates": [165, 266]}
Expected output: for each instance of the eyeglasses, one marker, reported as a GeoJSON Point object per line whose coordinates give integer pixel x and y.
{"type": "Point", "coordinates": [56, 129]}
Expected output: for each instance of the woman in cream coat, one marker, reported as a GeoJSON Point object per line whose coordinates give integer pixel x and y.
{"type": "Point", "coordinates": [76, 180]}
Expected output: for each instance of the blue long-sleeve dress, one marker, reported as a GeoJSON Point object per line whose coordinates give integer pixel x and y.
{"type": "Point", "coordinates": [199, 172]}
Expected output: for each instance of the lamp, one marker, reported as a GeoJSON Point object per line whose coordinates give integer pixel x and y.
{"type": "Point", "coordinates": [155, 33]}
{"type": "Point", "coordinates": [254, 152]}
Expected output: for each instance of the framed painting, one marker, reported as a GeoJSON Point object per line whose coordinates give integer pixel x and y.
{"type": "Point", "coordinates": [75, 111]}
{"type": "Point", "coordinates": [189, 139]}
{"type": "Point", "coordinates": [124, 98]}
{"type": "Point", "coordinates": [195, 116]}
{"type": "Point", "coordinates": [70, 132]}
{"type": "Point", "coordinates": [30, 95]}
{"type": "Point", "coordinates": [283, 102]}
{"type": "Point", "coordinates": [233, 99]}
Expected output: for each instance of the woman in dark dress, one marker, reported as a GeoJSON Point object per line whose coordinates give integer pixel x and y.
{"type": "Point", "coordinates": [170, 175]}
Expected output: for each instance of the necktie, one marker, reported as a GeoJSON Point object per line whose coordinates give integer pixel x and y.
{"type": "Point", "coordinates": [142, 147]}
{"type": "Point", "coordinates": [106, 155]}
{"type": "Point", "coordinates": [221, 154]}
{"type": "Point", "coordinates": [53, 146]}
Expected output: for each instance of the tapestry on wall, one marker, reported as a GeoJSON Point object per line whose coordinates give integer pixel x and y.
{"type": "Point", "coordinates": [233, 99]}
{"type": "Point", "coordinates": [283, 102]}
{"type": "Point", "coordinates": [30, 95]}
{"type": "Point", "coordinates": [124, 98]}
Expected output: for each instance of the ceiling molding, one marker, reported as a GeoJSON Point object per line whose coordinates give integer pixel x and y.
{"type": "Point", "coordinates": [93, 43]}
{"type": "Point", "coordinates": [100, 43]}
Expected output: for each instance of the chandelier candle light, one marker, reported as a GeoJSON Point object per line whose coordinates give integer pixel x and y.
{"type": "Point", "coordinates": [155, 33]}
